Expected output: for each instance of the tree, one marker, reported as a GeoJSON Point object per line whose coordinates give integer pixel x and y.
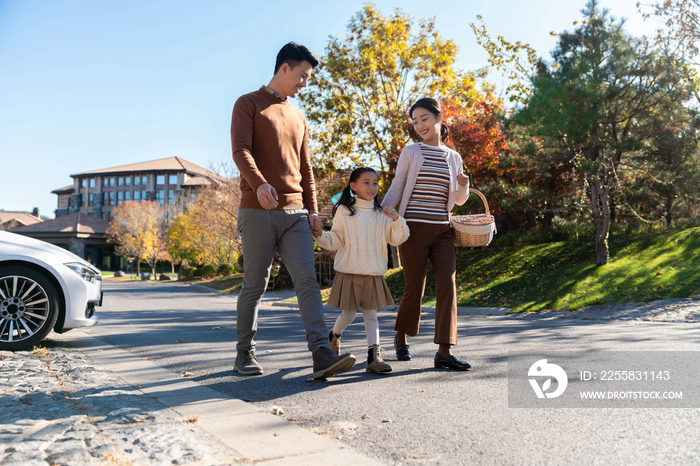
{"type": "Point", "coordinates": [206, 233]}
{"type": "Point", "coordinates": [139, 232]}
{"type": "Point", "coordinates": [359, 96]}
{"type": "Point", "coordinates": [517, 61]}
{"type": "Point", "coordinates": [595, 102]}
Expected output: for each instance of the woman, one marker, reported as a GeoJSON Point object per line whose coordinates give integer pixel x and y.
{"type": "Point", "coordinates": [429, 181]}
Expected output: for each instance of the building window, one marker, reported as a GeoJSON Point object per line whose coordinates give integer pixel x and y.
{"type": "Point", "coordinates": [120, 197]}
{"type": "Point", "coordinates": [105, 182]}
{"type": "Point", "coordinates": [91, 199]}
{"type": "Point", "coordinates": [111, 181]}
{"type": "Point", "coordinates": [127, 196]}
{"type": "Point", "coordinates": [171, 196]}
{"type": "Point", "coordinates": [172, 180]}
{"type": "Point", "coordinates": [137, 194]}
{"type": "Point", "coordinates": [127, 181]}
{"type": "Point", "coordinates": [143, 181]}
{"type": "Point", "coordinates": [81, 183]}
{"type": "Point", "coordinates": [92, 182]}
{"type": "Point", "coordinates": [160, 180]}
{"type": "Point", "coordinates": [111, 197]}
{"type": "Point", "coordinates": [137, 181]}
{"type": "Point", "coordinates": [120, 181]}
{"type": "Point", "coordinates": [160, 196]}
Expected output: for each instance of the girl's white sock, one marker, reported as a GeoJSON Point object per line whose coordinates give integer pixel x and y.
{"type": "Point", "coordinates": [371, 326]}
{"type": "Point", "coordinates": [344, 319]}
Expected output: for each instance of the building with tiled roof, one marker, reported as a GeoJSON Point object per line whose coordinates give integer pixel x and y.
{"type": "Point", "coordinates": [80, 233]}
{"type": "Point", "coordinates": [12, 220]}
{"type": "Point", "coordinates": [165, 181]}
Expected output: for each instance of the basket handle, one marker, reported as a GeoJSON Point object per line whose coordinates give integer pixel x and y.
{"type": "Point", "coordinates": [483, 199]}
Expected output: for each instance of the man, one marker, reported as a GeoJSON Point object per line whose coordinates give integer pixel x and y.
{"type": "Point", "coordinates": [278, 208]}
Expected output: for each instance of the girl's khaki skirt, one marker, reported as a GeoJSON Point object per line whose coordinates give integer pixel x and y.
{"type": "Point", "coordinates": [352, 292]}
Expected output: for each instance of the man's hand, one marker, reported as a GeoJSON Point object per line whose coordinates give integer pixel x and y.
{"type": "Point", "coordinates": [463, 179]}
{"type": "Point", "coordinates": [267, 196]}
{"type": "Point", "coordinates": [391, 213]}
{"type": "Point", "coordinates": [315, 224]}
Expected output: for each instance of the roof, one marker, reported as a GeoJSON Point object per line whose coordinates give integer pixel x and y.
{"type": "Point", "coordinates": [170, 164]}
{"type": "Point", "coordinates": [23, 218]}
{"type": "Point", "coordinates": [197, 181]}
{"type": "Point", "coordinates": [64, 190]}
{"type": "Point", "coordinates": [72, 223]}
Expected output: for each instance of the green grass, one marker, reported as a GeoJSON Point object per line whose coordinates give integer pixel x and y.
{"type": "Point", "coordinates": [230, 284]}
{"type": "Point", "coordinates": [563, 275]}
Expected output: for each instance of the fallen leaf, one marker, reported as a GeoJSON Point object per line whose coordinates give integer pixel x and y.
{"type": "Point", "coordinates": [180, 340]}
{"type": "Point", "coordinates": [366, 416]}
{"type": "Point", "coordinates": [277, 410]}
{"type": "Point", "coordinates": [187, 374]}
{"type": "Point", "coordinates": [270, 351]}
{"type": "Point", "coordinates": [277, 434]}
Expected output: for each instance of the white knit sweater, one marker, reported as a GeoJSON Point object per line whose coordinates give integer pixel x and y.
{"type": "Point", "coordinates": [361, 239]}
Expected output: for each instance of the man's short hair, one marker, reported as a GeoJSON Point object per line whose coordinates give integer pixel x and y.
{"type": "Point", "coordinates": [294, 54]}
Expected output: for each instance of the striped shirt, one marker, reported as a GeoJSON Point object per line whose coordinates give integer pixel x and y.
{"type": "Point", "coordinates": [428, 202]}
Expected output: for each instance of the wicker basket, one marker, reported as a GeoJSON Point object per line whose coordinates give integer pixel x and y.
{"type": "Point", "coordinates": [474, 230]}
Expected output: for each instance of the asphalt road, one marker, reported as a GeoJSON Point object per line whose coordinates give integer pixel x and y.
{"type": "Point", "coordinates": [416, 415]}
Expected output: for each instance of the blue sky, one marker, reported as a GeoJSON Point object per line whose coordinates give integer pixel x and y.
{"type": "Point", "coordinates": [91, 84]}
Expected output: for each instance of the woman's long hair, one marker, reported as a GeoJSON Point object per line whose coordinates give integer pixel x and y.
{"type": "Point", "coordinates": [346, 197]}
{"type": "Point", "coordinates": [434, 107]}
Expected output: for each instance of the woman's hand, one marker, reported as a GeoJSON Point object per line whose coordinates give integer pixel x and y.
{"type": "Point", "coordinates": [463, 179]}
{"type": "Point", "coordinates": [391, 213]}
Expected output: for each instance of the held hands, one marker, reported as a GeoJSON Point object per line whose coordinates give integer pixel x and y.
{"type": "Point", "coordinates": [315, 224]}
{"type": "Point", "coordinates": [267, 196]}
{"type": "Point", "coordinates": [463, 179]}
{"type": "Point", "coordinates": [391, 213]}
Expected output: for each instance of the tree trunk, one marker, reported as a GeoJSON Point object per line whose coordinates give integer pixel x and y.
{"type": "Point", "coordinates": [138, 267]}
{"type": "Point", "coordinates": [395, 259]}
{"type": "Point", "coordinates": [601, 219]}
{"type": "Point", "coordinates": [669, 209]}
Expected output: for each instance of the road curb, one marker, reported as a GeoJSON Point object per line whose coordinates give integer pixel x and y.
{"type": "Point", "coordinates": [462, 311]}
{"type": "Point", "coordinates": [255, 434]}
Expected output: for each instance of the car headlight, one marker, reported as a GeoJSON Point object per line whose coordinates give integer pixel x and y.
{"type": "Point", "coordinates": [85, 273]}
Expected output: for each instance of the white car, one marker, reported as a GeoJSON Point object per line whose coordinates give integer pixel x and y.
{"type": "Point", "coordinates": [43, 287]}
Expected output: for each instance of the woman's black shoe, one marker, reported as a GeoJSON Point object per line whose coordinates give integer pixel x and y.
{"type": "Point", "coordinates": [453, 362]}
{"type": "Point", "coordinates": [403, 352]}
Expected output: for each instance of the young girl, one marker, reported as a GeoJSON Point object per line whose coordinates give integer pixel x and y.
{"type": "Point", "coordinates": [360, 233]}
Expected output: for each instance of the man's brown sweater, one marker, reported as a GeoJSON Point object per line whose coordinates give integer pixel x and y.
{"type": "Point", "coordinates": [270, 145]}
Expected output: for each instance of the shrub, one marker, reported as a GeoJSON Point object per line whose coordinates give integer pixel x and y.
{"type": "Point", "coordinates": [197, 273]}
{"type": "Point", "coordinates": [225, 270]}
{"type": "Point", "coordinates": [187, 273]}
{"type": "Point", "coordinates": [208, 271]}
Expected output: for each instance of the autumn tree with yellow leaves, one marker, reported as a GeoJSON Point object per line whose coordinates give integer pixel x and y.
{"type": "Point", "coordinates": [138, 231]}
{"type": "Point", "coordinates": [206, 232]}
{"type": "Point", "coordinates": [358, 98]}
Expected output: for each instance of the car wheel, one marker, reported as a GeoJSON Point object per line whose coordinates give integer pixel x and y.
{"type": "Point", "coordinates": [28, 308]}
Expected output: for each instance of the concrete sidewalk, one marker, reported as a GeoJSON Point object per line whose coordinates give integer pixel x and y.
{"type": "Point", "coordinates": [253, 436]}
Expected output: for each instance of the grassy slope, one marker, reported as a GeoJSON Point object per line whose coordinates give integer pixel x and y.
{"type": "Point", "coordinates": [563, 275]}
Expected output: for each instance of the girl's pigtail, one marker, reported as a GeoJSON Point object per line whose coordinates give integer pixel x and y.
{"type": "Point", "coordinates": [346, 199]}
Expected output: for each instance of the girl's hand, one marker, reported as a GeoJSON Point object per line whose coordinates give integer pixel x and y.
{"type": "Point", "coordinates": [391, 213]}
{"type": "Point", "coordinates": [463, 179]}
